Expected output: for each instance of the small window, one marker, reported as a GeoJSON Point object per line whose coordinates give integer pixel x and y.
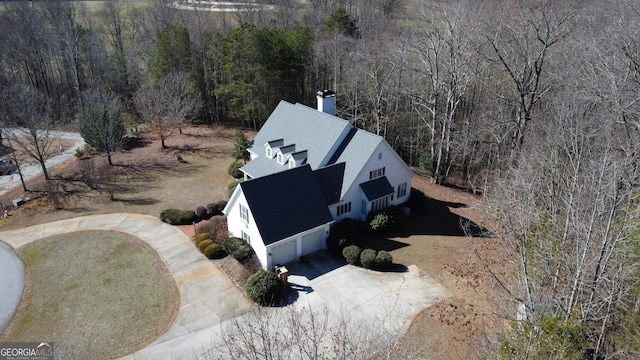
{"type": "Point", "coordinates": [379, 156]}
{"type": "Point", "coordinates": [280, 159]}
{"type": "Point", "coordinates": [374, 174]}
{"type": "Point", "coordinates": [269, 153]}
{"type": "Point", "coordinates": [244, 213]}
{"type": "Point", "coordinates": [292, 163]}
{"type": "Point", "coordinates": [246, 237]}
{"type": "Point", "coordinates": [344, 208]}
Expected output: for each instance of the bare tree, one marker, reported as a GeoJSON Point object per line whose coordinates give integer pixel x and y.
{"type": "Point", "coordinates": [520, 41]}
{"type": "Point", "coordinates": [304, 333]}
{"type": "Point", "coordinates": [166, 104]}
{"type": "Point", "coordinates": [32, 134]}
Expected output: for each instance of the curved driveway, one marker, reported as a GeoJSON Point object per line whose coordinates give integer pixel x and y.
{"type": "Point", "coordinates": [207, 296]}
{"type": "Point", "coordinates": [11, 283]}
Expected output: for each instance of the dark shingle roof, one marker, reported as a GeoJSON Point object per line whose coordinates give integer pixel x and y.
{"type": "Point", "coordinates": [286, 203]}
{"type": "Point", "coordinates": [376, 188]}
{"type": "Point", "coordinates": [330, 181]}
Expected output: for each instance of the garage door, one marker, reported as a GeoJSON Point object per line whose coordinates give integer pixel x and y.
{"type": "Point", "coordinates": [313, 242]}
{"type": "Point", "coordinates": [284, 253]}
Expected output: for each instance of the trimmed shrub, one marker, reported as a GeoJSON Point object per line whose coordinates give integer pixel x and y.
{"type": "Point", "coordinates": [216, 228]}
{"type": "Point", "coordinates": [234, 170]}
{"type": "Point", "coordinates": [202, 212]}
{"type": "Point", "coordinates": [221, 205]}
{"type": "Point", "coordinates": [352, 254]}
{"type": "Point", "coordinates": [384, 260]}
{"type": "Point", "coordinates": [214, 251]}
{"type": "Point", "coordinates": [200, 237]}
{"type": "Point", "coordinates": [368, 258]}
{"type": "Point", "coordinates": [178, 217]}
{"type": "Point", "coordinates": [231, 187]}
{"type": "Point", "coordinates": [238, 249]}
{"type": "Point", "coordinates": [204, 244]}
{"type": "Point", "coordinates": [263, 287]}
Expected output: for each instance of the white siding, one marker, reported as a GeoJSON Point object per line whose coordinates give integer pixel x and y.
{"type": "Point", "coordinates": [396, 172]}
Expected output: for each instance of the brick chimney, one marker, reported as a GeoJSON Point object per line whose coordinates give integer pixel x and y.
{"type": "Point", "coordinates": [327, 101]}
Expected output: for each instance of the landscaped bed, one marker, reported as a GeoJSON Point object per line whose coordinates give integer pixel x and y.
{"type": "Point", "coordinates": [95, 294]}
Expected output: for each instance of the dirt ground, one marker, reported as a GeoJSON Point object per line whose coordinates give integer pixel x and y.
{"type": "Point", "coordinates": [150, 179]}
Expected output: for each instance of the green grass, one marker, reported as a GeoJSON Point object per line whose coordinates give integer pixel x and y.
{"type": "Point", "coordinates": [96, 294]}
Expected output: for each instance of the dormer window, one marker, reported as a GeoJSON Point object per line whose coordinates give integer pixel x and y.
{"type": "Point", "coordinates": [292, 163]}
{"type": "Point", "coordinates": [280, 158]}
{"type": "Point", "coordinates": [272, 146]}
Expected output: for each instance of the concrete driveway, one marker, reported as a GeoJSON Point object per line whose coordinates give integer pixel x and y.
{"type": "Point", "coordinates": [391, 298]}
{"type": "Point", "coordinates": [11, 283]}
{"type": "Point", "coordinates": [208, 299]}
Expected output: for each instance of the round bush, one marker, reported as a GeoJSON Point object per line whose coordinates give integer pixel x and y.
{"type": "Point", "coordinates": [234, 170]}
{"type": "Point", "coordinates": [368, 258]}
{"type": "Point", "coordinates": [384, 260]}
{"type": "Point", "coordinates": [202, 212]}
{"type": "Point", "coordinates": [263, 287]}
{"type": "Point", "coordinates": [238, 249]}
{"type": "Point", "coordinates": [352, 254]}
{"type": "Point", "coordinates": [200, 237]}
{"type": "Point", "coordinates": [214, 251]}
{"type": "Point", "coordinates": [204, 244]}
{"type": "Point", "coordinates": [178, 217]}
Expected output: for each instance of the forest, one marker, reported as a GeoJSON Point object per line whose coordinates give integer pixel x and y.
{"type": "Point", "coordinates": [535, 105]}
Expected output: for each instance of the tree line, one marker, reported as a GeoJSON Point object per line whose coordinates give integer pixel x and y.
{"type": "Point", "coordinates": [534, 104]}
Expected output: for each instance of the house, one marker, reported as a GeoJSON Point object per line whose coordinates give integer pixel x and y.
{"type": "Point", "coordinates": [308, 169]}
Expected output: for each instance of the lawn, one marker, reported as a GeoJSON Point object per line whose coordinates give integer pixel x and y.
{"type": "Point", "coordinates": [95, 294]}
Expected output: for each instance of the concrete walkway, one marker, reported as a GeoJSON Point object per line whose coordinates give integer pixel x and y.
{"type": "Point", "coordinates": [11, 283]}
{"type": "Point", "coordinates": [207, 296]}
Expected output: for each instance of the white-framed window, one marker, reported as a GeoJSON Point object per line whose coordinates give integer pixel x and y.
{"type": "Point", "coordinates": [292, 163]}
{"type": "Point", "coordinates": [379, 204]}
{"type": "Point", "coordinates": [344, 208]}
{"type": "Point", "coordinates": [244, 213]}
{"type": "Point", "coordinates": [269, 152]}
{"type": "Point", "coordinates": [246, 237]}
{"type": "Point", "coordinates": [379, 156]}
{"type": "Point", "coordinates": [280, 158]}
{"type": "Point", "coordinates": [373, 174]}
{"type": "Point", "coordinates": [402, 190]}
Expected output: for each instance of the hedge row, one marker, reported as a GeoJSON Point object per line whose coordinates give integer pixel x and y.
{"type": "Point", "coordinates": [209, 248]}
{"type": "Point", "coordinates": [367, 258]}
{"type": "Point", "coordinates": [187, 217]}
{"type": "Point", "coordinates": [238, 249]}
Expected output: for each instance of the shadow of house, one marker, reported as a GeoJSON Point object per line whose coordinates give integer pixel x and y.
{"type": "Point", "coordinates": [436, 218]}
{"type": "Point", "coordinates": [315, 264]}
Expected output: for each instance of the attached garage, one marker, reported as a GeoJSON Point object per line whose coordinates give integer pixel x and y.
{"type": "Point", "coordinates": [313, 241]}
{"type": "Point", "coordinates": [283, 253]}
